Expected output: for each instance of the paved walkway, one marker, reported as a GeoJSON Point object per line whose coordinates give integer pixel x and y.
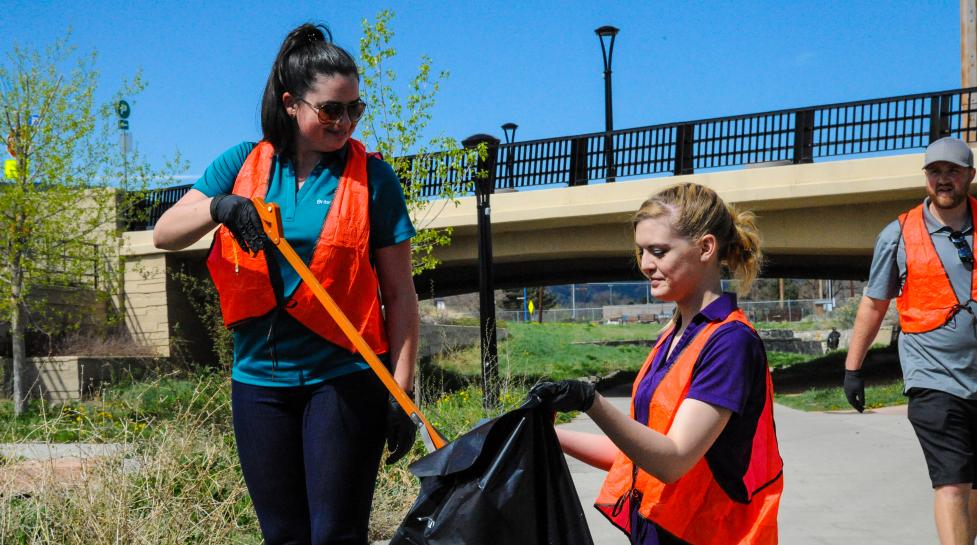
{"type": "Point", "coordinates": [850, 479]}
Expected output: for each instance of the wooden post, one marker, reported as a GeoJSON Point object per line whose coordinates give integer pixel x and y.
{"type": "Point", "coordinates": [968, 68]}
{"type": "Point", "coordinates": [539, 295]}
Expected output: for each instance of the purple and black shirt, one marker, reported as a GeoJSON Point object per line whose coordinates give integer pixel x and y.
{"type": "Point", "coordinates": [730, 373]}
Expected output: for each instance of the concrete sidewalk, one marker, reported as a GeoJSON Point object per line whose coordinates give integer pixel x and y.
{"type": "Point", "coordinates": [849, 479]}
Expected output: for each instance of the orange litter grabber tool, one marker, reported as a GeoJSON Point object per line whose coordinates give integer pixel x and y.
{"type": "Point", "coordinates": [271, 221]}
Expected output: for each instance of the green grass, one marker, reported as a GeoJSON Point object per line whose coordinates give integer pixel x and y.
{"type": "Point", "coordinates": [833, 399]}
{"type": "Point", "coordinates": [189, 488]}
{"type": "Point", "coordinates": [784, 360]}
{"type": "Point", "coordinates": [803, 325]}
{"type": "Point", "coordinates": [122, 413]}
{"type": "Point", "coordinates": [558, 351]}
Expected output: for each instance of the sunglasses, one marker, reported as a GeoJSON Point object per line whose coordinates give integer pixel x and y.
{"type": "Point", "coordinates": [964, 252]}
{"type": "Point", "coordinates": [330, 113]}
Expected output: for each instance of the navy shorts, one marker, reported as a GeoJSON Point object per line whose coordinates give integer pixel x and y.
{"type": "Point", "coordinates": [946, 427]}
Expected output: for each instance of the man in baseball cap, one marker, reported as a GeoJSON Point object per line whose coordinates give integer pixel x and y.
{"type": "Point", "coordinates": [951, 150]}
{"type": "Point", "coordinates": [925, 260]}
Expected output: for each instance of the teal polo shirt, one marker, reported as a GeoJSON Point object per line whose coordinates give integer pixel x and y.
{"type": "Point", "coordinates": [302, 357]}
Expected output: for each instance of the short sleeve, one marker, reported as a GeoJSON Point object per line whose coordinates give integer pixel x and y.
{"type": "Point", "coordinates": [884, 280]}
{"type": "Point", "coordinates": [390, 221]}
{"type": "Point", "coordinates": [220, 175]}
{"type": "Point", "coordinates": [728, 367]}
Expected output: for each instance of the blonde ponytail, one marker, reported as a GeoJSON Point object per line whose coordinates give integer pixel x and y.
{"type": "Point", "coordinates": [743, 255]}
{"type": "Point", "coordinates": [697, 211]}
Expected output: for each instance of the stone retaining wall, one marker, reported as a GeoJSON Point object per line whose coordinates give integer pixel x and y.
{"type": "Point", "coordinates": [68, 378]}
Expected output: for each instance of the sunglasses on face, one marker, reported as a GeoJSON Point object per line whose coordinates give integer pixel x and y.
{"type": "Point", "coordinates": [964, 252]}
{"type": "Point", "coordinates": [330, 113]}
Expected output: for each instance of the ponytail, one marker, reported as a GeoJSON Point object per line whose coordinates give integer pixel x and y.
{"type": "Point", "coordinates": [743, 255]}
{"type": "Point", "coordinates": [697, 211]}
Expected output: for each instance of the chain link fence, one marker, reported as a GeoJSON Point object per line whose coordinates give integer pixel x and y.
{"type": "Point", "coordinates": [791, 310]}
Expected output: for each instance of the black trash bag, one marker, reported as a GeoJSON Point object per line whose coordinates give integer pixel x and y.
{"type": "Point", "coordinates": [504, 482]}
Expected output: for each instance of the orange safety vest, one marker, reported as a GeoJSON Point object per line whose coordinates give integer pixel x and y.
{"type": "Point", "coordinates": [340, 260]}
{"type": "Point", "coordinates": [695, 508]}
{"type": "Point", "coordinates": [927, 300]}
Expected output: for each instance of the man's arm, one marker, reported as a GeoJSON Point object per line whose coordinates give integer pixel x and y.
{"type": "Point", "coordinates": [867, 322]}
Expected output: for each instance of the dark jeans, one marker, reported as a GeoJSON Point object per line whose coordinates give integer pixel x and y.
{"type": "Point", "coordinates": [310, 456]}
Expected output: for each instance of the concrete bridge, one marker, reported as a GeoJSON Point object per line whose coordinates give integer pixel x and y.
{"type": "Point", "coordinates": [817, 220]}
{"type": "Point", "coordinates": [814, 176]}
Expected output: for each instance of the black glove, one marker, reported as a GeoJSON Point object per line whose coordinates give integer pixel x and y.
{"type": "Point", "coordinates": [565, 396]}
{"type": "Point", "coordinates": [855, 389]}
{"type": "Point", "coordinates": [240, 216]}
{"type": "Point", "coordinates": [401, 432]}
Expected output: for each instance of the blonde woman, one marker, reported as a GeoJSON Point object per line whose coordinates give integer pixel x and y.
{"type": "Point", "coordinates": [696, 461]}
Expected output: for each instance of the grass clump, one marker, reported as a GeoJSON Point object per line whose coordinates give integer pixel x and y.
{"type": "Point", "coordinates": [122, 413]}
{"type": "Point", "coordinates": [176, 480]}
{"type": "Point", "coordinates": [783, 360]}
{"type": "Point", "coordinates": [559, 351]}
{"type": "Point", "coordinates": [833, 399]}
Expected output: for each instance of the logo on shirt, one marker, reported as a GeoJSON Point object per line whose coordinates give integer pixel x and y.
{"type": "Point", "coordinates": [323, 201]}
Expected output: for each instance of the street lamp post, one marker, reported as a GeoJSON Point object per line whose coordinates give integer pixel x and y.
{"type": "Point", "coordinates": [607, 50]}
{"type": "Point", "coordinates": [509, 130]}
{"type": "Point", "coordinates": [484, 187]}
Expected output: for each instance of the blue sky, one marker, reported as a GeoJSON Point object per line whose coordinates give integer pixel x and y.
{"type": "Point", "coordinates": [534, 63]}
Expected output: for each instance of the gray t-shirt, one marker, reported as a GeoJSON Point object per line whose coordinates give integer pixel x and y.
{"type": "Point", "coordinates": [944, 359]}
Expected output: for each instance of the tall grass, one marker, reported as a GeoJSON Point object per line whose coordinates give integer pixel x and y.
{"type": "Point", "coordinates": [177, 479]}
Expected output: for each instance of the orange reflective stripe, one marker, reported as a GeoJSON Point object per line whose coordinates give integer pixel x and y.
{"type": "Point", "coordinates": [340, 260]}
{"type": "Point", "coordinates": [695, 508]}
{"type": "Point", "coordinates": [927, 300]}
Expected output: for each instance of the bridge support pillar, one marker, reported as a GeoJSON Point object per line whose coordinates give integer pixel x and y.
{"type": "Point", "coordinates": [146, 310]}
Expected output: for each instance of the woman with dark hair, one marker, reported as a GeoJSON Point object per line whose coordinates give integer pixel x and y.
{"type": "Point", "coordinates": [696, 462]}
{"type": "Point", "coordinates": [310, 418]}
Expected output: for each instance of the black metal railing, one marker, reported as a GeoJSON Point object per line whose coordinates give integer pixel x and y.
{"type": "Point", "coordinates": [795, 136]}
{"type": "Point", "coordinates": [148, 210]}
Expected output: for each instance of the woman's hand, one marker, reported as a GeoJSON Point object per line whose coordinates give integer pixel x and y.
{"type": "Point", "coordinates": [565, 396]}
{"type": "Point", "coordinates": [401, 431]}
{"type": "Point", "coordinates": [240, 216]}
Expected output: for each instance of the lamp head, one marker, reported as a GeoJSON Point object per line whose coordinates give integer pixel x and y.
{"type": "Point", "coordinates": [510, 131]}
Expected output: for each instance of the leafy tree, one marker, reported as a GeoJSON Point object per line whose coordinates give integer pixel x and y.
{"type": "Point", "coordinates": [60, 204]}
{"type": "Point", "coordinates": [395, 127]}
{"type": "Point", "coordinates": [512, 299]}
